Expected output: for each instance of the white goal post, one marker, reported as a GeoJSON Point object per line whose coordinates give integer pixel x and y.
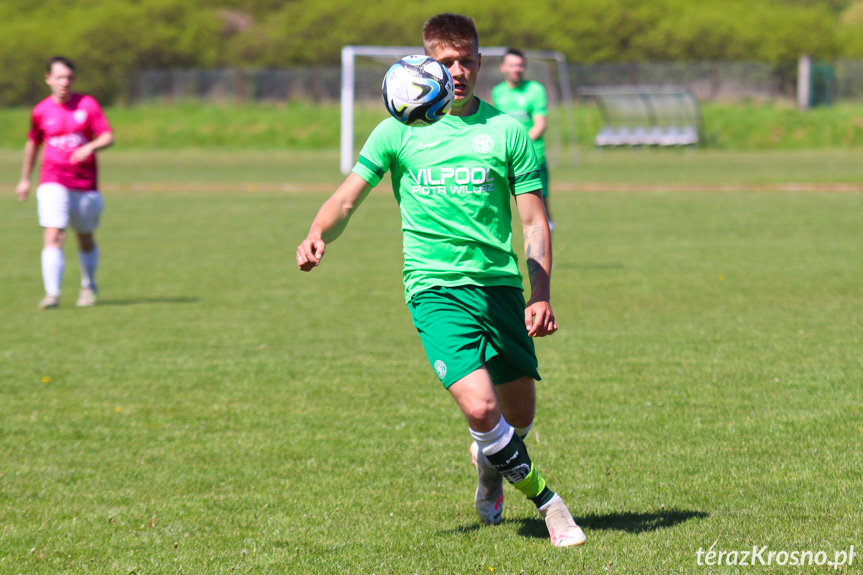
{"type": "Point", "coordinates": [350, 53]}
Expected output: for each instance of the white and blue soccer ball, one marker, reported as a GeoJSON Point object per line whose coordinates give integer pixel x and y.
{"type": "Point", "coordinates": [418, 90]}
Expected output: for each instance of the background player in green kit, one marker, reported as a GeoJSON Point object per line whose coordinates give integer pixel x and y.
{"type": "Point", "coordinates": [453, 181]}
{"type": "Point", "coordinates": [526, 101]}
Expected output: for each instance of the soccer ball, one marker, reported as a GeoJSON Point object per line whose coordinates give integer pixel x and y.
{"type": "Point", "coordinates": [418, 90]}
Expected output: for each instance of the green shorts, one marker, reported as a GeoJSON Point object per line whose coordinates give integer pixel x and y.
{"type": "Point", "coordinates": [543, 178]}
{"type": "Point", "coordinates": [463, 328]}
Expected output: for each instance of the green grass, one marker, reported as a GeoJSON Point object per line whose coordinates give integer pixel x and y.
{"type": "Point", "coordinates": [746, 126]}
{"type": "Point", "coordinates": [640, 169]}
{"type": "Point", "coordinates": [781, 126]}
{"type": "Point", "coordinates": [297, 125]}
{"type": "Point", "coordinates": [221, 412]}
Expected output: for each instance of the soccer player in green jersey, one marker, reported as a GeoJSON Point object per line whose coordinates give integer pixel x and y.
{"type": "Point", "coordinates": [526, 101]}
{"type": "Point", "coordinates": [453, 181]}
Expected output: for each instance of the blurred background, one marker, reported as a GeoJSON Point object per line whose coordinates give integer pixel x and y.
{"type": "Point", "coordinates": [725, 48]}
{"type": "Point", "coordinates": [748, 66]}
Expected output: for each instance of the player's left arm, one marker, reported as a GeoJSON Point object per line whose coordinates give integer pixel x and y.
{"type": "Point", "coordinates": [540, 123]}
{"type": "Point", "coordinates": [539, 112]}
{"type": "Point", "coordinates": [538, 315]}
{"type": "Point", "coordinates": [99, 126]}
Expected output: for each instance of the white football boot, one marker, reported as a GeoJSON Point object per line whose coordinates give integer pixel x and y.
{"type": "Point", "coordinates": [489, 489]}
{"type": "Point", "coordinates": [49, 302]}
{"type": "Point", "coordinates": [87, 297]}
{"type": "Point", "coordinates": [561, 526]}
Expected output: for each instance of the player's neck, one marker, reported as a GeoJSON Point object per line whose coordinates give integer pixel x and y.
{"type": "Point", "coordinates": [61, 100]}
{"type": "Point", "coordinates": [468, 109]}
{"type": "Point", "coordinates": [514, 85]}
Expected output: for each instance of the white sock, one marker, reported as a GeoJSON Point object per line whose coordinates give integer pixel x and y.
{"type": "Point", "coordinates": [89, 263]}
{"type": "Point", "coordinates": [523, 431]}
{"type": "Point", "coordinates": [53, 262]}
{"type": "Point", "coordinates": [549, 503]}
{"type": "Point", "coordinates": [490, 442]}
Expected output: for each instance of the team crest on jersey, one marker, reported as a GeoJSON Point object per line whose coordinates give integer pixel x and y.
{"type": "Point", "coordinates": [483, 143]}
{"type": "Point", "coordinates": [80, 116]}
{"type": "Point", "coordinates": [440, 368]}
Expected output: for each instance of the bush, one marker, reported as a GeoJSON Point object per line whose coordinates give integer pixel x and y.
{"type": "Point", "coordinates": [112, 38]}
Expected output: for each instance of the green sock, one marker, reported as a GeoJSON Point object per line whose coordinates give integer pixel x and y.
{"type": "Point", "coordinates": [534, 484]}
{"type": "Point", "coordinates": [513, 462]}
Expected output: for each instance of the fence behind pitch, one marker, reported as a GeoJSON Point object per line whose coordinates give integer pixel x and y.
{"type": "Point", "coordinates": [708, 81]}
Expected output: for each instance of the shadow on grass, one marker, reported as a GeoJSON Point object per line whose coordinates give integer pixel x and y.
{"type": "Point", "coordinates": [148, 300]}
{"type": "Point", "coordinates": [629, 522]}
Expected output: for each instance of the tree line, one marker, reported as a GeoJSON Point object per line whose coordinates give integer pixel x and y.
{"type": "Point", "coordinates": [111, 39]}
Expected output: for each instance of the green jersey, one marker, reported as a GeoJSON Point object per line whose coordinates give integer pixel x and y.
{"type": "Point", "coordinates": [523, 102]}
{"type": "Point", "coordinates": [452, 181]}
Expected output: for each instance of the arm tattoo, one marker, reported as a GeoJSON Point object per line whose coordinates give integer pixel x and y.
{"type": "Point", "coordinates": [535, 251]}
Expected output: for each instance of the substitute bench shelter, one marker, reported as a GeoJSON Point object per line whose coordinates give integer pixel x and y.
{"type": "Point", "coordinates": [662, 116]}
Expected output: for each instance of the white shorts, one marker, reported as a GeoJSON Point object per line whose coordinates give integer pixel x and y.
{"type": "Point", "coordinates": [60, 207]}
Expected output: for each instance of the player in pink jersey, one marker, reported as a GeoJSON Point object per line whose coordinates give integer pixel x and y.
{"type": "Point", "coordinates": [73, 128]}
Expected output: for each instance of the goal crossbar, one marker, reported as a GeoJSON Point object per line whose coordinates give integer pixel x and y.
{"type": "Point", "coordinates": [350, 53]}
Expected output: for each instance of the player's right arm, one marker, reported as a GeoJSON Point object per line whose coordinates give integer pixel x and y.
{"type": "Point", "coordinates": [331, 221]}
{"type": "Point", "coordinates": [23, 187]}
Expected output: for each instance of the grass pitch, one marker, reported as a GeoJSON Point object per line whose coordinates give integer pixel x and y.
{"type": "Point", "coordinates": [221, 412]}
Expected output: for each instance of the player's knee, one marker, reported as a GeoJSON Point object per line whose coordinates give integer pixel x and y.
{"type": "Point", "coordinates": [54, 238]}
{"type": "Point", "coordinates": [483, 415]}
{"type": "Point", "coordinates": [86, 242]}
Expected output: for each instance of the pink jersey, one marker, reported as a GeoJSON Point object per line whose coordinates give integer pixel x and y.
{"type": "Point", "coordinates": [63, 128]}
